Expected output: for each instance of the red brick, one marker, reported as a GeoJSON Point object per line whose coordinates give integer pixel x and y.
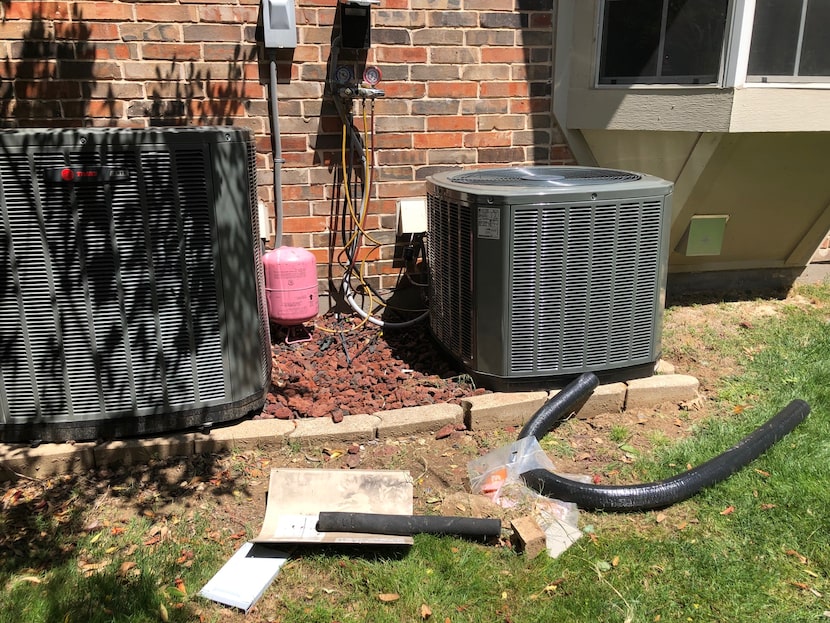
{"type": "Point", "coordinates": [503, 55]}
{"type": "Point", "coordinates": [456, 123]}
{"type": "Point", "coordinates": [452, 89]}
{"type": "Point", "coordinates": [437, 139]}
{"type": "Point", "coordinates": [103, 10]}
{"type": "Point", "coordinates": [525, 106]}
{"type": "Point", "coordinates": [400, 55]}
{"type": "Point", "coordinates": [504, 89]}
{"type": "Point", "coordinates": [488, 139]}
{"type": "Point", "coordinates": [87, 31]}
{"type": "Point", "coordinates": [36, 10]}
{"type": "Point", "coordinates": [47, 89]}
{"type": "Point", "coordinates": [213, 32]}
{"type": "Point", "coordinates": [165, 13]}
{"type": "Point", "coordinates": [220, 87]}
{"type": "Point", "coordinates": [229, 14]}
{"type": "Point", "coordinates": [171, 51]}
{"type": "Point", "coordinates": [403, 90]}
{"type": "Point", "coordinates": [393, 140]}
{"type": "Point", "coordinates": [560, 152]}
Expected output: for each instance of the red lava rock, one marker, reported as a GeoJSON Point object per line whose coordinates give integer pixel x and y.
{"type": "Point", "coordinates": [321, 408]}
{"type": "Point", "coordinates": [284, 413]}
{"type": "Point", "coordinates": [460, 426]}
{"type": "Point", "coordinates": [314, 378]}
{"type": "Point", "coordinates": [353, 449]}
{"type": "Point", "coordinates": [352, 460]}
{"type": "Point", "coordinates": [445, 431]}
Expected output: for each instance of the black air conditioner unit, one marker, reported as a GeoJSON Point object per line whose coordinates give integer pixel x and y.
{"type": "Point", "coordinates": [131, 291]}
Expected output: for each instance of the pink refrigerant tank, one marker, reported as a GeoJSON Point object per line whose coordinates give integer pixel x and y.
{"type": "Point", "coordinates": [290, 285]}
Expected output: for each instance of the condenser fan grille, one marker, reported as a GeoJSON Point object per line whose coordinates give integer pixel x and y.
{"type": "Point", "coordinates": [544, 177]}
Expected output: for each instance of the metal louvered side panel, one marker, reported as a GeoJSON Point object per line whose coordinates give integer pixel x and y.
{"type": "Point", "coordinates": [25, 298]}
{"type": "Point", "coordinates": [264, 325]}
{"type": "Point", "coordinates": [648, 262]}
{"type": "Point", "coordinates": [200, 281]}
{"type": "Point", "coordinates": [583, 286]}
{"type": "Point", "coordinates": [576, 293]}
{"type": "Point", "coordinates": [91, 310]}
{"type": "Point", "coordinates": [537, 286]}
{"type": "Point", "coordinates": [168, 277]}
{"type": "Point", "coordinates": [450, 254]}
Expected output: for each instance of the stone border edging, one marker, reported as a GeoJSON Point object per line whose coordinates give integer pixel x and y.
{"type": "Point", "coordinates": [478, 413]}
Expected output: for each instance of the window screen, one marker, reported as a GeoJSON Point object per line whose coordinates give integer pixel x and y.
{"type": "Point", "coordinates": [789, 40]}
{"type": "Point", "coordinates": [662, 41]}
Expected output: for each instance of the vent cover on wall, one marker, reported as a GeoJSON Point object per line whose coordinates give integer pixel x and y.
{"type": "Point", "coordinates": [131, 298]}
{"type": "Point", "coordinates": [541, 273]}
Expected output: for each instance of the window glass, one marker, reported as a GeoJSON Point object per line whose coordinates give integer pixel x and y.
{"type": "Point", "coordinates": [662, 41]}
{"type": "Point", "coordinates": [631, 37]}
{"type": "Point", "coordinates": [815, 46]}
{"type": "Point", "coordinates": [694, 39]}
{"type": "Point", "coordinates": [774, 42]}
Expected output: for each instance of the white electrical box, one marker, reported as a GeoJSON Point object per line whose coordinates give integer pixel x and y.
{"type": "Point", "coordinates": [412, 216]}
{"type": "Point", "coordinates": [279, 24]}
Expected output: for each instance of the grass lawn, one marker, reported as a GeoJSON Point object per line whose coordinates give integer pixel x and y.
{"type": "Point", "coordinates": [753, 548]}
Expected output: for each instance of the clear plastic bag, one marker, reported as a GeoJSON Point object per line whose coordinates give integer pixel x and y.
{"type": "Point", "coordinates": [505, 465]}
{"type": "Point", "coordinates": [498, 475]}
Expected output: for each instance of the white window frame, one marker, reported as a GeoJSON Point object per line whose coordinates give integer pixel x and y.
{"type": "Point", "coordinates": [664, 83]}
{"type": "Point", "coordinates": [734, 61]}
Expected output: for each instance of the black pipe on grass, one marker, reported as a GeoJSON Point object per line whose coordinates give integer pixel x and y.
{"type": "Point", "coordinates": [561, 406]}
{"type": "Point", "coordinates": [671, 490]}
{"type": "Point", "coordinates": [407, 525]}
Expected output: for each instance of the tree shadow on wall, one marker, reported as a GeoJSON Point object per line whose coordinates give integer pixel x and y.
{"type": "Point", "coordinates": [50, 76]}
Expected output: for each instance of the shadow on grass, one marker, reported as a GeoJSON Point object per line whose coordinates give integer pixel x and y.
{"type": "Point", "coordinates": [54, 533]}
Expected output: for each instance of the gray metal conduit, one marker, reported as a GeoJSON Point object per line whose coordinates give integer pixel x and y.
{"type": "Point", "coordinates": [651, 495]}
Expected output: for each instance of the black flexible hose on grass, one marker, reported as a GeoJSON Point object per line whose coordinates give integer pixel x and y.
{"type": "Point", "coordinates": [561, 406]}
{"type": "Point", "coordinates": [407, 525]}
{"type": "Point", "coordinates": [677, 488]}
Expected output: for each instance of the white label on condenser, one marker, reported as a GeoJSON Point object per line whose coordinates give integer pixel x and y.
{"type": "Point", "coordinates": [489, 220]}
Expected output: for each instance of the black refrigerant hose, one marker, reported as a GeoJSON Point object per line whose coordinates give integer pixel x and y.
{"type": "Point", "coordinates": [662, 493]}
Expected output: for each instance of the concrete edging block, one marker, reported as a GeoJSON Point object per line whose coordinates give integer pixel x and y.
{"type": "Point", "coordinates": [135, 451]}
{"type": "Point", "coordinates": [491, 411]}
{"type": "Point", "coordinates": [244, 435]}
{"type": "Point", "coordinates": [415, 420]}
{"type": "Point", "coordinates": [656, 390]}
{"type": "Point", "coordinates": [608, 398]}
{"type": "Point", "coordinates": [353, 428]}
{"type": "Point", "coordinates": [45, 460]}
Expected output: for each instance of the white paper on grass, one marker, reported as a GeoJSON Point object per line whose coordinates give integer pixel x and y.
{"type": "Point", "coordinates": [243, 579]}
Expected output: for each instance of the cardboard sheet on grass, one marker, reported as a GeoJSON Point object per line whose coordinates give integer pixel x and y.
{"type": "Point", "coordinates": [295, 499]}
{"type": "Point", "coordinates": [297, 496]}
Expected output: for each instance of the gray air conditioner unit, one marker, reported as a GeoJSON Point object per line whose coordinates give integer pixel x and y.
{"type": "Point", "coordinates": [542, 273]}
{"type": "Point", "coordinates": [131, 290]}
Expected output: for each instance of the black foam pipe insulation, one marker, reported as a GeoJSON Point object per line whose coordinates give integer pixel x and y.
{"type": "Point", "coordinates": [407, 525]}
{"type": "Point", "coordinates": [666, 492]}
{"type": "Point", "coordinates": [562, 405]}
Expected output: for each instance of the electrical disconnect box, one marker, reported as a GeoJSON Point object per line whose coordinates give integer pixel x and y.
{"type": "Point", "coordinates": [356, 24]}
{"type": "Point", "coordinates": [279, 24]}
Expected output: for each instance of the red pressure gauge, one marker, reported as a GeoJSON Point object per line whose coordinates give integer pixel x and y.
{"type": "Point", "coordinates": [371, 75]}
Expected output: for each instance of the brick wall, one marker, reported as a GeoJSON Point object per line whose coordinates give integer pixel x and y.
{"type": "Point", "coordinates": [467, 83]}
